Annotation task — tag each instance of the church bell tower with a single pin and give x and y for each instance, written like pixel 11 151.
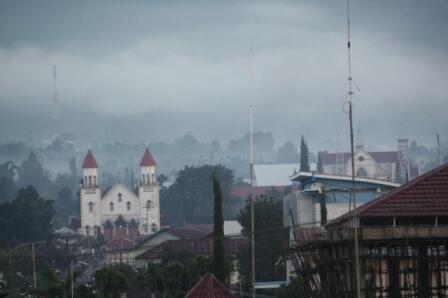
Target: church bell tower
pixel 90 197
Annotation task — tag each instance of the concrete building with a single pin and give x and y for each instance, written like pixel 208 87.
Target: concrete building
pixel 120 212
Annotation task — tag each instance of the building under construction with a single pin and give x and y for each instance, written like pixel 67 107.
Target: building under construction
pixel 402 239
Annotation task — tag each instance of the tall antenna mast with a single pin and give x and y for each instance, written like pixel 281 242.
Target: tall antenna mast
pixel 55 113
pixel 251 157
pixel 352 202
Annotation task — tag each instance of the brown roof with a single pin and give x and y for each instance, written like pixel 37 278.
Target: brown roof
pixel 379 156
pixel 89 161
pixel 209 287
pixel 426 195
pixel 198 246
pixel 147 160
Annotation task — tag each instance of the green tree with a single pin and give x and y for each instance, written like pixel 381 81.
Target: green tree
pixel 151 280
pixel 65 205
pixel 110 282
pixel 172 278
pixel 304 163
pixel 219 258
pixel 287 153
pixel 31 172
pixel 270 237
pixel 189 198
pixel 27 218
pixel 197 267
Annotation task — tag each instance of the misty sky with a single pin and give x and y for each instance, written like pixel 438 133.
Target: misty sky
pixel 155 70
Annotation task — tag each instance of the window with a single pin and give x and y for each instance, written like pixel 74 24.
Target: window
pixel 90 180
pixel 85 180
pixel 361 172
pixel 87 231
pixel 148 204
pixel 128 206
pixel 111 206
pixel 94 180
pixel 119 198
pixel 143 179
pixel 152 178
pixel 90 206
pixel 147 178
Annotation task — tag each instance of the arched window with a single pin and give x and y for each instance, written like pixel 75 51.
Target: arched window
pixel 128 206
pixel 94 180
pixel 152 178
pixel 148 204
pixel 143 179
pixel 111 206
pixel 361 172
pixel 85 180
pixel 87 231
pixel 90 180
pixel 90 206
pixel 147 179
pixel 119 197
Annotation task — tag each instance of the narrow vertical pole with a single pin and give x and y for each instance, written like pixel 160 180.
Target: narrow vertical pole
pixel 34 265
pixel 71 283
pixel 252 214
pixel 353 192
pixel 438 149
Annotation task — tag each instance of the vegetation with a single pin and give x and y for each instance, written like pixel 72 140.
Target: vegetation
pixel 189 198
pixel 304 156
pixel 269 241
pixel 219 258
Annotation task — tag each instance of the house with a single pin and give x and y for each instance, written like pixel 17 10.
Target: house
pixel 323 197
pixel 209 287
pixel 402 241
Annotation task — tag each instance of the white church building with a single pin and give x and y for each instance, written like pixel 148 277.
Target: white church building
pixel 120 212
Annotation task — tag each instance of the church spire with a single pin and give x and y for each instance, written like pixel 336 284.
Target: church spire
pixel 89 161
pixel 147 160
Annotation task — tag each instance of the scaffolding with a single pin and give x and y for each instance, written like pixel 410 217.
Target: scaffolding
pixel 401 261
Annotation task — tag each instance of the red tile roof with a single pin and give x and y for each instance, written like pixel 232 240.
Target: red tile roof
pixel 147 160
pixel 209 287
pixel 198 246
pixel 89 161
pixel 380 156
pixel 426 195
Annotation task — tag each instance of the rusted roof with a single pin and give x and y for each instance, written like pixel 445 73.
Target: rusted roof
pixel 147 160
pixel 426 195
pixel 199 246
pixel 89 161
pixel 209 287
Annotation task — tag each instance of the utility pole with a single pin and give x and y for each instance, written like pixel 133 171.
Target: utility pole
pixel 353 195
pixel 252 214
pixel 71 278
pixel 33 252
pixel 438 149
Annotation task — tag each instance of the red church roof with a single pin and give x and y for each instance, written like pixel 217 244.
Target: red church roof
pixel 89 161
pixel 426 195
pixel 209 287
pixel 147 160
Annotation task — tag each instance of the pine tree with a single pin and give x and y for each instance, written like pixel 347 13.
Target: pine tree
pixel 219 259
pixel 304 164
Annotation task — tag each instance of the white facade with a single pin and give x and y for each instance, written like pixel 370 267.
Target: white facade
pixel 134 213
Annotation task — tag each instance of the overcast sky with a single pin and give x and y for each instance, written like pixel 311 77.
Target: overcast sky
pixel 196 66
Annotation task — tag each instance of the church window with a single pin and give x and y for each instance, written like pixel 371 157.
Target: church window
pixel 111 206
pixel 85 180
pixel 361 172
pixel 94 180
pixel 128 206
pixel 143 179
pixel 119 197
pixel 90 206
pixel 147 179
pixel 152 178
pixel 148 204
pixel 87 231
pixel 90 180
